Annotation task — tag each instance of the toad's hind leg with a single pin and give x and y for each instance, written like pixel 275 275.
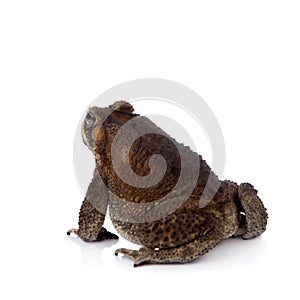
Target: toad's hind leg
pixel 255 213
pixel 181 254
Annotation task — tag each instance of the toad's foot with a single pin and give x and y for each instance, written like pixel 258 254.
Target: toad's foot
pixel 102 235
pixel 139 257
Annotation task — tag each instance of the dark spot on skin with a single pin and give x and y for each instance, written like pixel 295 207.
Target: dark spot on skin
pixel 173 235
pixel 160 231
pixel 179 222
pixel 155 226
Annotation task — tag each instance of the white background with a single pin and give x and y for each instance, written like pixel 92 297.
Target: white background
pixel 242 57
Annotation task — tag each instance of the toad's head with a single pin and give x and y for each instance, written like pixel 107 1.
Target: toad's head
pixel 94 124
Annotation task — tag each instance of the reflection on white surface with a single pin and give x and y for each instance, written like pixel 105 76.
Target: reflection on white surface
pixel 229 254
pixel 92 253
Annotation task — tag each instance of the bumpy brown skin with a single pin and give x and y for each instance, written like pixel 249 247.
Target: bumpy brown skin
pixel 184 232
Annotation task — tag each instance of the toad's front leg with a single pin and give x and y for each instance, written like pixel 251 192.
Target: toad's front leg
pixel 92 213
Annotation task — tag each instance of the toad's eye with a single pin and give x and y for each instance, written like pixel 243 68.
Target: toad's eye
pixel 89 119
